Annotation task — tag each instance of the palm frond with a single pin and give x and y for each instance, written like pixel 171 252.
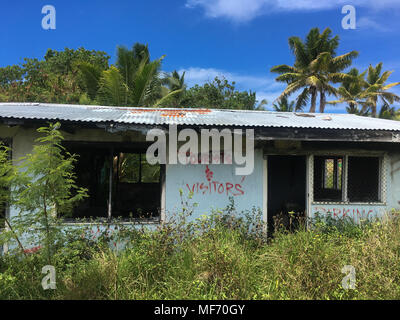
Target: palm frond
pixel 112 89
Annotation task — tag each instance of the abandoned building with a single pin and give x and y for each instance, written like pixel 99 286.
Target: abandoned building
pixel 338 164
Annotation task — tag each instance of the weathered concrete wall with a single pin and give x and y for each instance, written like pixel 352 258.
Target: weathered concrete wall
pixel 212 188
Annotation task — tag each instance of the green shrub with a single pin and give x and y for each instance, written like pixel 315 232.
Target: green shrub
pixel 224 255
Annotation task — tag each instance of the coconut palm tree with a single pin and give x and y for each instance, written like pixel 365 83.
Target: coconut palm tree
pixel 388 112
pixel 128 62
pixel 112 89
pixel 352 92
pixel 283 105
pixel 376 89
pixel 91 75
pixel 316 67
pixel 174 82
pixel 353 109
pixel 133 81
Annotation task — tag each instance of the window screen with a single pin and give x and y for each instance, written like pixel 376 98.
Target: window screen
pixel 363 179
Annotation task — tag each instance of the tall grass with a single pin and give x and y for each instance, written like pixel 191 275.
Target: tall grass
pixel 220 256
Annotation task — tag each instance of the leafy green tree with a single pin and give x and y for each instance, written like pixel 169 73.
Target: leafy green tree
pixel 56 78
pixel 44 189
pixel 220 94
pixel 316 67
pixel 10 75
pixel 7 176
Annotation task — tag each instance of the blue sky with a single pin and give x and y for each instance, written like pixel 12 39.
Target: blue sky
pixel 241 39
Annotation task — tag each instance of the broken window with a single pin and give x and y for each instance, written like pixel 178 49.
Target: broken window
pixel 363 179
pixel 120 182
pixel 328 175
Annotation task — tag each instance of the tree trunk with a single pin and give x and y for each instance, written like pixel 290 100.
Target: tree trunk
pixel 313 91
pixel 15 235
pixel 373 110
pixel 322 101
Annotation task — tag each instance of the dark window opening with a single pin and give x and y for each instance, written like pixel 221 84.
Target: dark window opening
pixel 135 184
pixel 328 177
pixel 363 179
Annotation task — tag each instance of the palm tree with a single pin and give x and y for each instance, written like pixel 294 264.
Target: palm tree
pixel 284 105
pixel 352 92
pixel 133 81
pixel 174 82
pixel 388 112
pixel 376 89
pixel 128 62
pixel 91 75
pixel 316 66
pixel 112 88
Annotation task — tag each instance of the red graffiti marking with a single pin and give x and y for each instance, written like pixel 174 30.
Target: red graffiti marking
pixel 358 213
pixel 229 186
pixel 216 187
pixel 209 174
pixel 33 250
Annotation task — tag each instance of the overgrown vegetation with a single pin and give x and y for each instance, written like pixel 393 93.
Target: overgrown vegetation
pixel 41 189
pixel 215 257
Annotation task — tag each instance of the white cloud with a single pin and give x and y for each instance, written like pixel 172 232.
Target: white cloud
pixel 245 10
pixel 369 23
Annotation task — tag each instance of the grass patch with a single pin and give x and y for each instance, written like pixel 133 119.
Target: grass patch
pixel 218 257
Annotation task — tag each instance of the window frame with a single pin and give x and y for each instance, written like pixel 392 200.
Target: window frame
pixel 113 148
pixel 142 155
pixel 323 190
pixel 345 199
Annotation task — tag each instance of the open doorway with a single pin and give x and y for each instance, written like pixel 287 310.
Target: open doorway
pixel 286 190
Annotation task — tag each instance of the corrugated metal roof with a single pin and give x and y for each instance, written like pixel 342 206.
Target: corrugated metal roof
pixel 211 117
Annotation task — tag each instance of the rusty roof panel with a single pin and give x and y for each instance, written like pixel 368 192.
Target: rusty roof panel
pixel 188 116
